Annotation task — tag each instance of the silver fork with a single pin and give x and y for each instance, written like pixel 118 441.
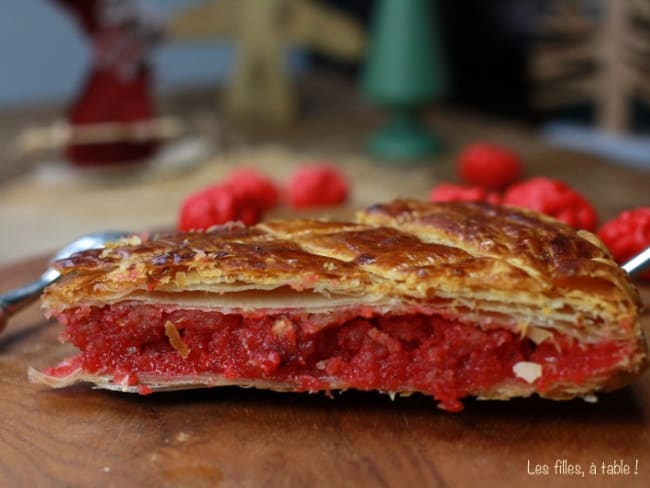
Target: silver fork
pixel 18 298
pixel 638 264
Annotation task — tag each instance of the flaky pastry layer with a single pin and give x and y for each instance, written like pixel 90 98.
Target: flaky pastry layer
pixel 476 262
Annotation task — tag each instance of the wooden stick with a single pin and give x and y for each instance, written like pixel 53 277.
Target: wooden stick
pixel 613 112
pixel 567 26
pixel 641 85
pixel 549 61
pixel 641 9
pixel 557 95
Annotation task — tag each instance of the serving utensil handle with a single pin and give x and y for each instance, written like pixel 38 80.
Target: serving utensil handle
pixel 18 298
pixel 639 263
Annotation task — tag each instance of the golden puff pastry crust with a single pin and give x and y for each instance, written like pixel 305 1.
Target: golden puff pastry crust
pixel 489 266
pixel 474 258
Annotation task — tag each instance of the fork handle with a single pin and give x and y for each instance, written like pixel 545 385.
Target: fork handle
pixel 638 263
pixel 18 298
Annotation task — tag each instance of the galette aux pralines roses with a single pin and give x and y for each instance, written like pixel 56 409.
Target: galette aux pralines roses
pixel 449 299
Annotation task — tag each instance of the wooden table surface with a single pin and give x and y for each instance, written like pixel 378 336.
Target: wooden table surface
pixel 233 437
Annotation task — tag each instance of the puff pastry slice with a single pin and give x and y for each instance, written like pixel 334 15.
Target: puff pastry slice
pixel 450 300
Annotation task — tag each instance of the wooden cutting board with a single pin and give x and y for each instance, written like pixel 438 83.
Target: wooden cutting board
pixel 235 437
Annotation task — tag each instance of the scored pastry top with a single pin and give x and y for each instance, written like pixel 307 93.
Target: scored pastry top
pixel 467 257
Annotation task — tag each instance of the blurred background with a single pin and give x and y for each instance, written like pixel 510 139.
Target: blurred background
pixel 45 55
pixel 112 112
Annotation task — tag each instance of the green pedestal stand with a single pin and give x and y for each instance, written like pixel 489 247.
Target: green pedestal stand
pixel 403 72
pixel 403 138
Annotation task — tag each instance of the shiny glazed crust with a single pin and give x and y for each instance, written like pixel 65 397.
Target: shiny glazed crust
pixel 473 262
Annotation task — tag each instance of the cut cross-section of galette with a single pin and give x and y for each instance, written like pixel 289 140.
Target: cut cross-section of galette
pixel 450 300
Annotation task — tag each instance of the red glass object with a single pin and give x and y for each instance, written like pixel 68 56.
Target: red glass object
pixel 118 88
